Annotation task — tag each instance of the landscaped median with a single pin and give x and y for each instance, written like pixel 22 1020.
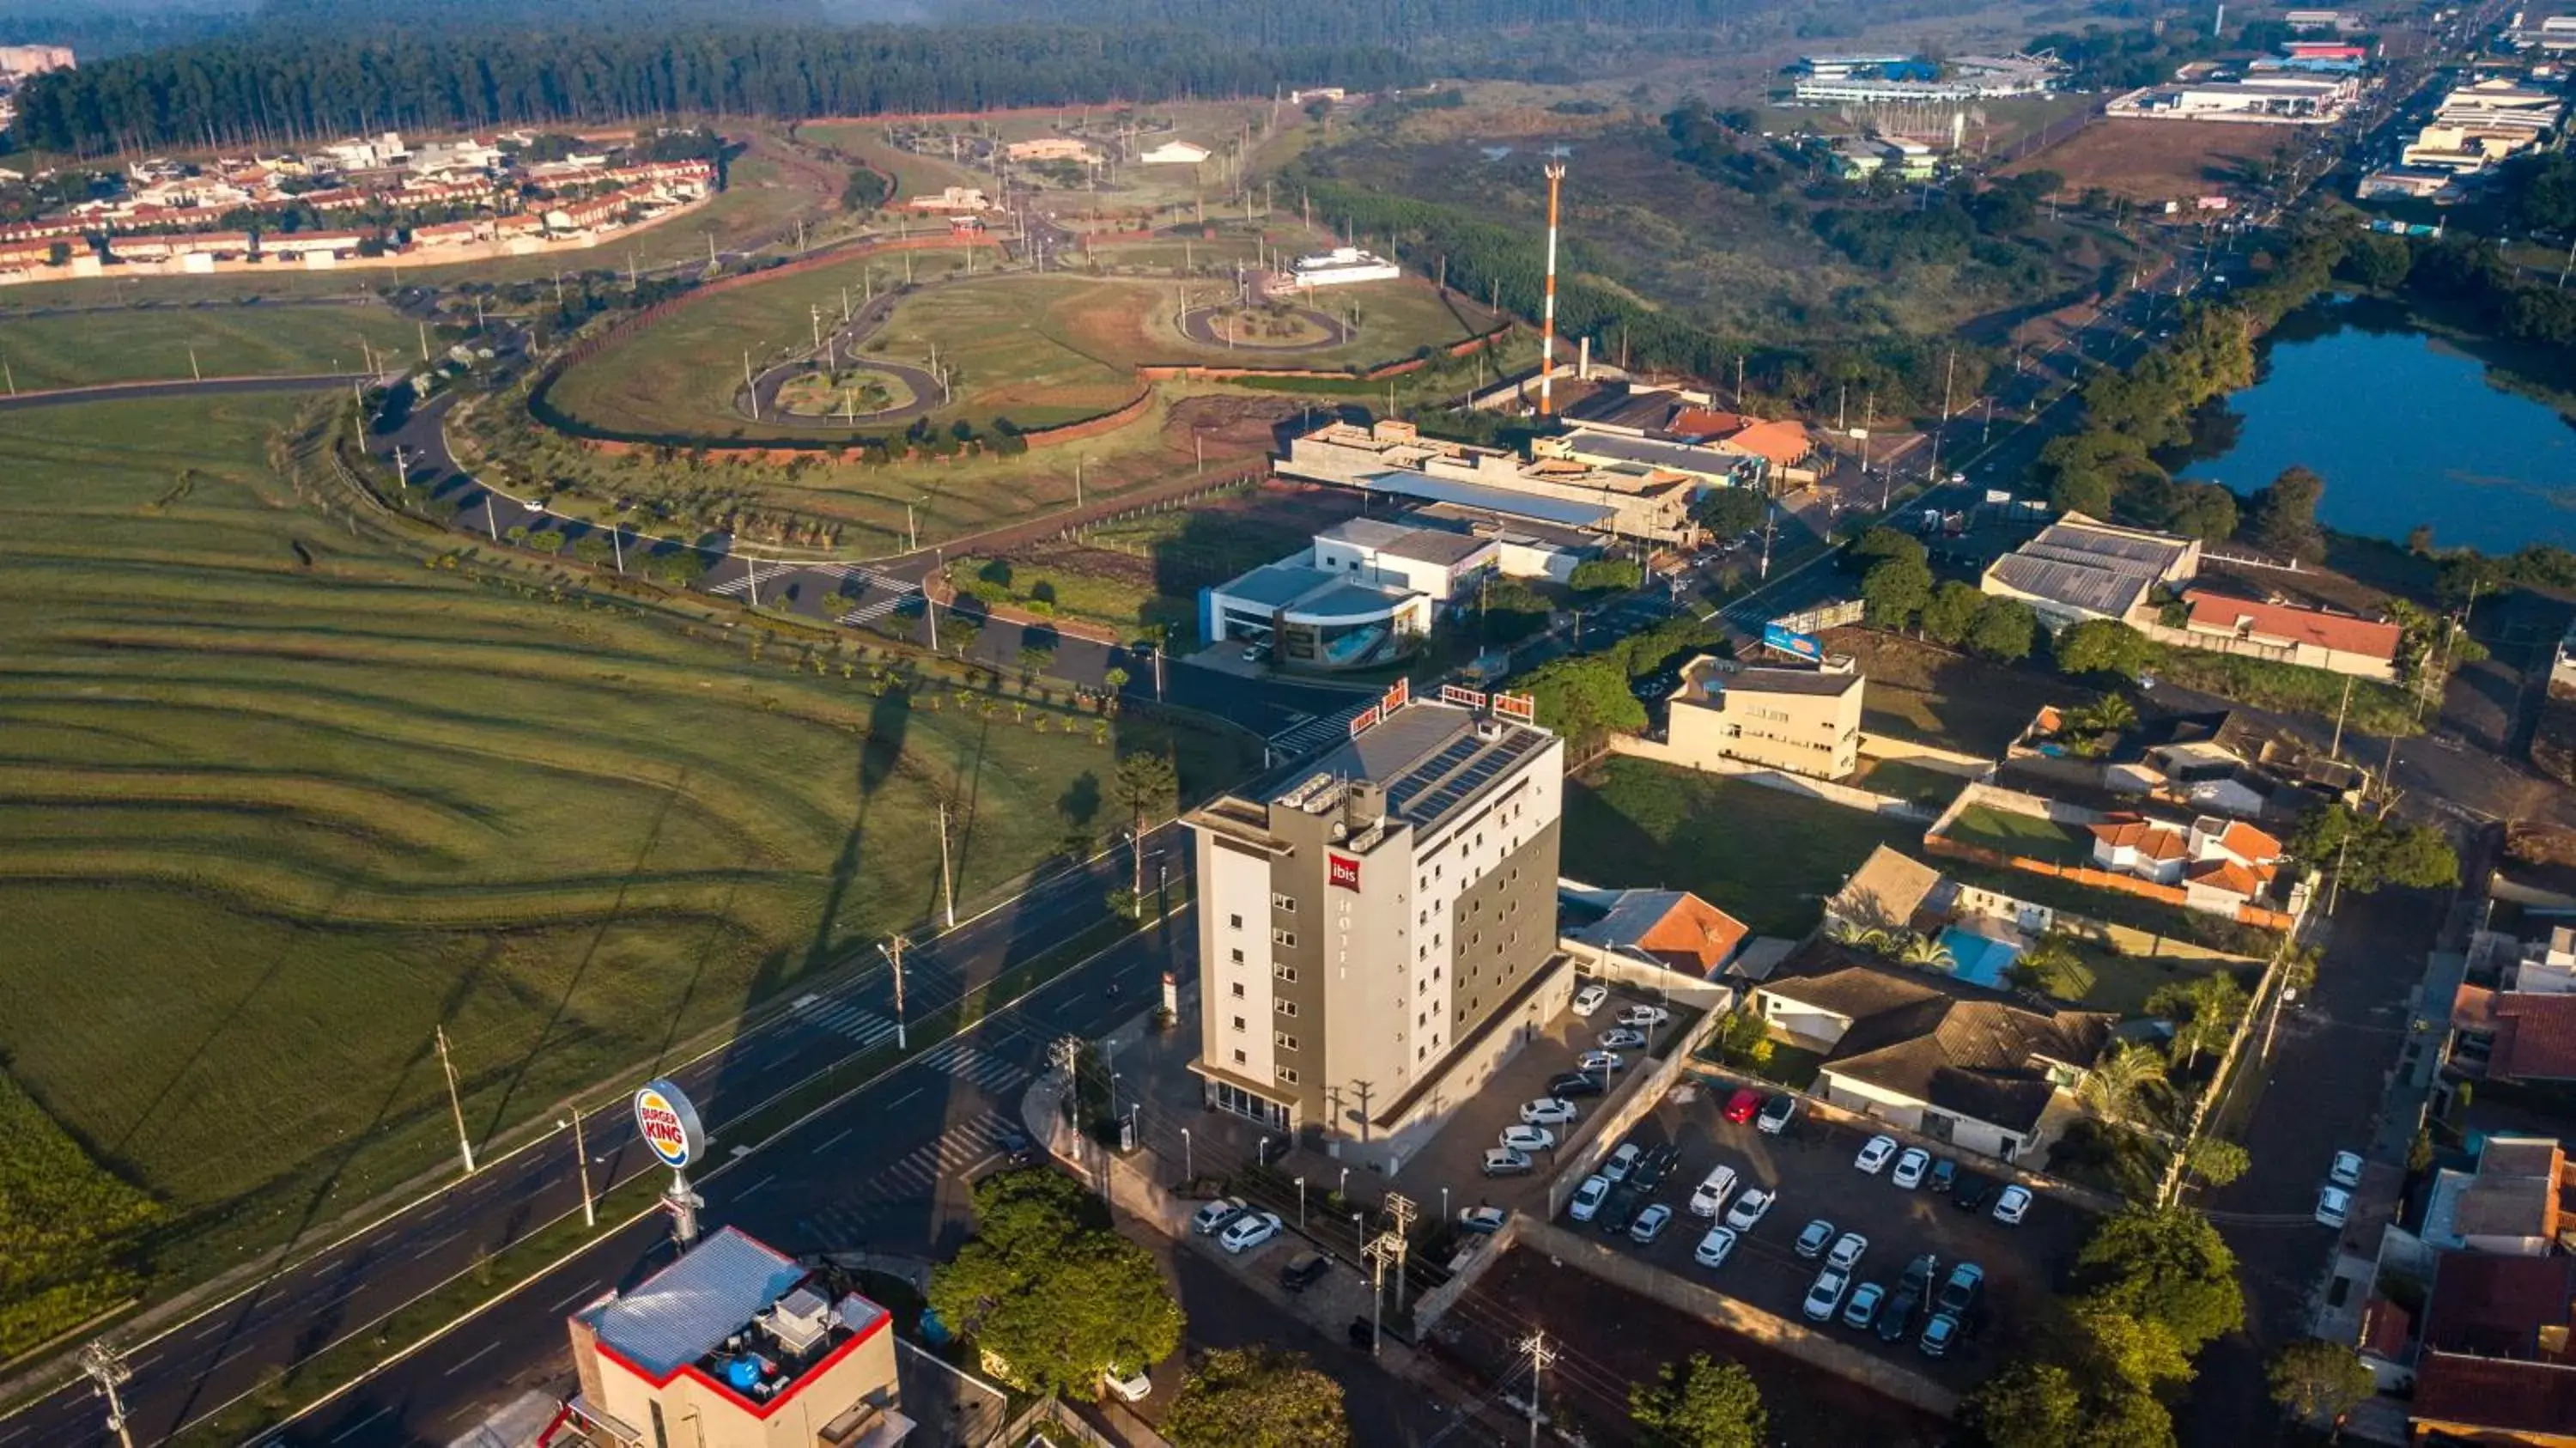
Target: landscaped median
pixel 287 1391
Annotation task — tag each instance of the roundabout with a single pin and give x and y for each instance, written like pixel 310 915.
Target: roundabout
pixel 1281 327
pixel 851 394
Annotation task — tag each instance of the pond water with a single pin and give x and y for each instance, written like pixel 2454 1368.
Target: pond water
pixel 2404 427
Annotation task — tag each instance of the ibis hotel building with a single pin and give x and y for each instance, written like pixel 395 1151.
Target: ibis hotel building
pixel 1377 927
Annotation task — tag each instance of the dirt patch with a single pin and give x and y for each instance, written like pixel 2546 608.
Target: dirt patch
pixel 1924 692
pixel 1609 1338
pixel 2156 160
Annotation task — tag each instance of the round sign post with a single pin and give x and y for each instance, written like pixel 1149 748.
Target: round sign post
pixel 667 1121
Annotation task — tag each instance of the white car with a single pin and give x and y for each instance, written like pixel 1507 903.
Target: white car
pixel 1749 1209
pixel 1813 1237
pixel 2012 1205
pixel 1591 998
pixel 1588 1197
pixel 1133 1387
pixel 1487 1220
pixel 1827 1294
pixel 1873 1155
pixel 1709 1197
pixel 1847 1250
pixel 1650 1223
pixel 1644 1018
pixel 1599 1062
pixel 1547 1111
pixel 1622 1161
pixel 2334 1206
pixel 1249 1231
pixel 1712 1249
pixel 1622 1039
pixel 1528 1139
pixel 1910 1167
pixel 2346 1171
pixel 1214 1216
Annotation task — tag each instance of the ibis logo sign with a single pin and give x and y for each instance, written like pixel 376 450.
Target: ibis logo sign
pixel 668 1123
pixel 1345 871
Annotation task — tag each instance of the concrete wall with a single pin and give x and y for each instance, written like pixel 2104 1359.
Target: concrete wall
pixel 1692 990
pixel 1625 1110
pixel 1817 1349
pixel 1926 756
pixel 1819 789
pixel 2310 656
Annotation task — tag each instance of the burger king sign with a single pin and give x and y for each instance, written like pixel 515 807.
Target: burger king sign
pixel 669 1124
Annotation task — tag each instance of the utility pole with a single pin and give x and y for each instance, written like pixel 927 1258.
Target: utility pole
pixel 1541 1357
pixel 1381 1249
pixel 105 1367
pixel 455 1102
pixel 581 1161
pixel 193 374
pixel 893 951
pixel 1402 1210
pixel 947 880
pixel 423 329
pixel 2335 750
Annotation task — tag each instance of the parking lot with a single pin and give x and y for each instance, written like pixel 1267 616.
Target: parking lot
pixel 1810 1167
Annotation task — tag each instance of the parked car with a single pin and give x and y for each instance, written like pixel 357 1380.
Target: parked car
pixel 1528 1139
pixel 2012 1205
pixel 1749 1209
pixel 1650 1223
pixel 1621 1039
pixel 1249 1231
pixel 1741 1106
pixel 1976 1194
pixel 1847 1250
pixel 1590 998
pixel 1814 1237
pixel 1586 1203
pixel 1132 1387
pixel 1874 1154
pixel 1214 1216
pixel 1862 1310
pixel 1714 1247
pixel 1945 1172
pixel 1620 1212
pixel 1777 1113
pixel 1825 1295
pixel 1575 1083
pixel 1959 1292
pixel 1482 1219
pixel 1938 1335
pixel 1896 1318
pixel 1548 1111
pixel 1603 1062
pixel 1305 1272
pixel 1503 1161
pixel 2346 1171
pixel 1654 1166
pixel 1709 1197
pixel 1362 1333
pixel 2334 1206
pixel 1622 1162
pixel 1644 1018
pixel 1016 1146
pixel 1910 1167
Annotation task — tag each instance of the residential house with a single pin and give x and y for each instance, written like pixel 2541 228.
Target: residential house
pixel 1977 1068
pixel 2222 865
pixel 1802 721
pixel 2290 634
pixel 1671 929
pixel 1887 892
pixel 2496 1365
pixel 2130 844
pixel 2520 1201
pixel 2534 1036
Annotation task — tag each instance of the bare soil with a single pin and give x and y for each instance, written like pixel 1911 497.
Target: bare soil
pixel 2156 160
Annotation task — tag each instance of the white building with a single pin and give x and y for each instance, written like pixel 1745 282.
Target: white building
pixel 1174 153
pixel 1441 564
pixel 1342 266
pixel 2273 100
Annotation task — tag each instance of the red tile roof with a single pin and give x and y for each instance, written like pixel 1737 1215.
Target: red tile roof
pixel 2226 875
pixel 1695 930
pixel 2385 1328
pixel 2501 1306
pixel 2249 844
pixel 2338 631
pixel 2150 838
pixel 2496 1393
pixel 2535 1036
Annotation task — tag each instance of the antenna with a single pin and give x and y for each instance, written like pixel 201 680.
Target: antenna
pixel 1547 321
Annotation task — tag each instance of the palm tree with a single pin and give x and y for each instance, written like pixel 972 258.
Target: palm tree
pixel 1860 937
pixel 1926 951
pixel 2110 714
pixel 2120 1083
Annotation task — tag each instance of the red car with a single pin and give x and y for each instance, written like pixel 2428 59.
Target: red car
pixel 1741 1106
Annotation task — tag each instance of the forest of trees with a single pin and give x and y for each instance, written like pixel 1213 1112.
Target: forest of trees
pixel 275 86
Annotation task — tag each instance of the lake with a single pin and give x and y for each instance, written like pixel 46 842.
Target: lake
pixel 2404 428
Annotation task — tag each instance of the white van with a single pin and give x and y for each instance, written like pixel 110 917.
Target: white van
pixel 1714 1189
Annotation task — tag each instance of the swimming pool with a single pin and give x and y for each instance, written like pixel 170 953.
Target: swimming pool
pixel 1981 959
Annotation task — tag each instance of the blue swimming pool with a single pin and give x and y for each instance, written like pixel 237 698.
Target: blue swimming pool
pixel 1981 959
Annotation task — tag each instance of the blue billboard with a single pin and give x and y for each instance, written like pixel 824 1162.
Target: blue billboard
pixel 1795 645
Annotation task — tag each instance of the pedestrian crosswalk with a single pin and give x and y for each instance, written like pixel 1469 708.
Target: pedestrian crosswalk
pixel 969 1063
pixel 913 1176
pixel 866 1028
pixel 870 612
pixel 755 573
pixel 1321 732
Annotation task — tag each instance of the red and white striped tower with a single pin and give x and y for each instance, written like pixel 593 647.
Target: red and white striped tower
pixel 1547 319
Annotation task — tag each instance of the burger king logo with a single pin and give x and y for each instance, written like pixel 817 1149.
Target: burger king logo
pixel 668 1123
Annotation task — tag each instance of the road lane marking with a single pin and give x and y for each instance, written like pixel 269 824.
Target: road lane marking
pixel 578 1294
pixel 435 1244
pixel 907 1096
pixel 352 1429
pixel 479 1354
pixel 836 1138
pixel 755 1186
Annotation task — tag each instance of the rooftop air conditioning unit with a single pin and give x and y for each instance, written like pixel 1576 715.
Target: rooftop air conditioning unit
pixel 800 1321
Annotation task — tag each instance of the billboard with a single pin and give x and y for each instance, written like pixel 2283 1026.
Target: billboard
pixel 668 1122
pixel 1516 706
pixel 1462 696
pixel 1366 719
pixel 1796 645
pixel 1398 694
pixel 1342 871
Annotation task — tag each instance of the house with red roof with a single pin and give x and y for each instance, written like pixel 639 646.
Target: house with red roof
pixel 2287 633
pixel 2132 844
pixel 1673 929
pixel 2496 1365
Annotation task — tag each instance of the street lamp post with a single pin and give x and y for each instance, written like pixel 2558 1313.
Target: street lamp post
pixel 1344 1190
pixel 581 1161
pixel 1359 1230
pixel 1189 1163
pixel 1301 1204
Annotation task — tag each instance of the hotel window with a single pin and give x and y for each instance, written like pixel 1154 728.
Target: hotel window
pixel 1237 988
pixel 1238 1058
pixel 1287 938
pixel 1287 1008
pixel 1288 1075
pixel 1287 973
pixel 1238 1023
pixel 1283 902
pixel 1285 1041
pixel 1234 922
pixel 1238 956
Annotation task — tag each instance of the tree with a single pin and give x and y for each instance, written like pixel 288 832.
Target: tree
pixel 2121 1082
pixel 1952 612
pixel 866 191
pixel 1606 575
pixel 1702 1403
pixel 1045 1286
pixel 1729 512
pixel 2167 1265
pixel 2320 1381
pixel 1258 1397
pixel 2052 967
pixel 1926 952
pixel 2030 1404
pixel 1894 590
pixel 2004 630
pixel 2285 516
pixel 2216 1160
pixel 2366 853
pixel 1146 784
pixel 1744 1038
pixel 2103 646
pixel 1882 542
pixel 1584 698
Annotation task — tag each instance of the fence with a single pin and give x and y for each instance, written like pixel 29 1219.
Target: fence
pixel 1826 790
pixel 1927 756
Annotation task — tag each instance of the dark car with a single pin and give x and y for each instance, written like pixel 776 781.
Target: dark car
pixel 1896 1319
pixel 1620 1211
pixel 1945 1173
pixel 1016 1145
pixel 1575 1083
pixel 1976 1193
pixel 1362 1335
pixel 1960 1292
pixel 1305 1272
pixel 1654 1166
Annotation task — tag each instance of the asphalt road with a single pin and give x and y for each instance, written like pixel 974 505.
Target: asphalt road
pixel 825 1197
pixel 131 391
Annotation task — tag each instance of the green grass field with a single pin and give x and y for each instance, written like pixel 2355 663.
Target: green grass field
pixel 1765 856
pixel 2021 836
pixel 76 350
pixel 277 801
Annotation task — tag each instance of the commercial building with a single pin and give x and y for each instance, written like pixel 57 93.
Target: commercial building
pixel 1377 928
pixel 1342 266
pixel 2310 21
pixel 1437 562
pixel 2079 568
pixel 1695 436
pixel 1174 153
pixel 1310 619
pixel 735 1345
pixel 1052 148
pixel 2291 634
pixel 2279 100
pixel 1627 500
pixel 1803 721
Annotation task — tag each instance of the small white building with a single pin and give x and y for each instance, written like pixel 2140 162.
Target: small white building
pixel 1342 266
pixel 1438 563
pixel 1174 153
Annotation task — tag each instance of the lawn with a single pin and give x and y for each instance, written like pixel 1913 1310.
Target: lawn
pixel 278 801
pixel 1765 856
pixel 1931 788
pixel 1924 692
pixel 235 341
pixel 2021 836
pixel 2123 982
pixel 1055 590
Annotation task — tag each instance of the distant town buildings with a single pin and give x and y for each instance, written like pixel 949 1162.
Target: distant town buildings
pixel 20 61
pixel 2270 99
pixel 1052 148
pixel 1904 79
pixel 1626 500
